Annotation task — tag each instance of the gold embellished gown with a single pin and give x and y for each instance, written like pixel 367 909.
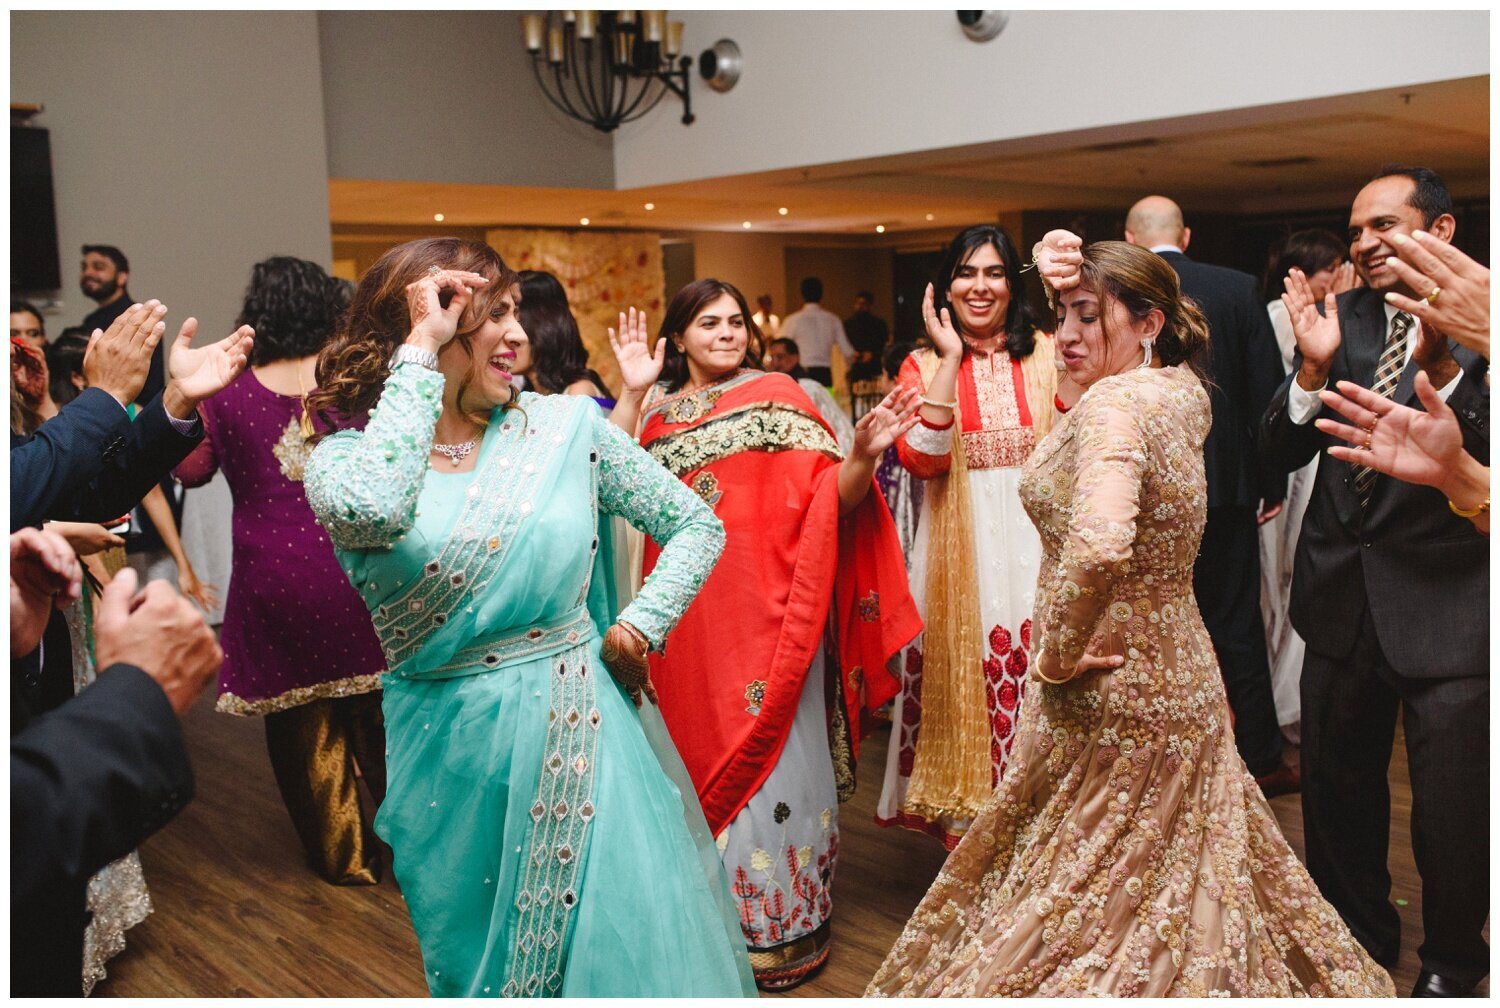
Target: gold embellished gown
pixel 1127 851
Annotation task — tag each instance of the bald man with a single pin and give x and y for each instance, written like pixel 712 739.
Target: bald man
pixel 1244 365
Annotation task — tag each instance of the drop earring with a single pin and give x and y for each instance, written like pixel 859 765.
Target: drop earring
pixel 1146 346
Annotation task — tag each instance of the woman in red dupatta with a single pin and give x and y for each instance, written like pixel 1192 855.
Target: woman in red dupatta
pixel 767 680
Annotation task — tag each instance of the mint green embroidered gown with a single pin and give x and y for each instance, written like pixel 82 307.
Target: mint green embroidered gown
pixel 541 837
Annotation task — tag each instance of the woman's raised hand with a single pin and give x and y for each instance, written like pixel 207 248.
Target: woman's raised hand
pixel 432 325
pixel 1345 278
pixel 639 367
pixel 1059 259
pixel 878 429
pixel 1397 440
pixel 1454 289
pixel 945 338
pixel 1318 335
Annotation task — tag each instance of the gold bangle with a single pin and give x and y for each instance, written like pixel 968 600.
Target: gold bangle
pixel 1475 513
pixel 940 405
pixel 1055 682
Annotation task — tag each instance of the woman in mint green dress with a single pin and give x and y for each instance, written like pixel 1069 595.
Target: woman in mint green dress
pixel 546 837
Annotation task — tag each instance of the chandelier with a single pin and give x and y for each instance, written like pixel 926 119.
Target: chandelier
pixel 608 67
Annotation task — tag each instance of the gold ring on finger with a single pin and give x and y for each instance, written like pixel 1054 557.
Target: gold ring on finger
pixel 1432 298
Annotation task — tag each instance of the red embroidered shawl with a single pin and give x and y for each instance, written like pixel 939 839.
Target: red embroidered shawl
pixel 732 674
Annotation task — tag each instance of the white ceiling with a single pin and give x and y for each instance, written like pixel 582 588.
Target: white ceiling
pixel 1302 155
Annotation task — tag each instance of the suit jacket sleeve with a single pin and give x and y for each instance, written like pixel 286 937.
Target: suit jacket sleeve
pixel 90 780
pixel 1263 377
pixel 90 463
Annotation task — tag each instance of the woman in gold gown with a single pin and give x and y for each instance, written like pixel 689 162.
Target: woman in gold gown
pixel 1127 851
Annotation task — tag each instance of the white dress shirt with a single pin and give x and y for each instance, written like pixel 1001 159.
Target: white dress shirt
pixel 816 330
pixel 769 325
pixel 1302 405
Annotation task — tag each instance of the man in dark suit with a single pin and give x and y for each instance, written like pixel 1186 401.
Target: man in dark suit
pixel 1244 366
pixel 1390 590
pixel 92 779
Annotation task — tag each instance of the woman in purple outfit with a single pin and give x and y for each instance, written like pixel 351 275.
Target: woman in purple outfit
pixel 298 644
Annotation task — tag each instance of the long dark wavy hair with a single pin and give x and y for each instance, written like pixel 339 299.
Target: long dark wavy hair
pixel 1020 319
pixel 558 356
pixel 353 366
pixel 293 305
pixel 680 314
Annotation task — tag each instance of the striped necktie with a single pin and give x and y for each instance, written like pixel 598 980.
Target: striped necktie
pixel 1387 377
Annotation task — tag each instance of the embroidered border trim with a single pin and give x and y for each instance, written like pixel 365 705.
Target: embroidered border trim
pixel 561 814
pixel 485 656
pixel 996 449
pixel 924 439
pixel 501 497
pixel 768 427
pixel 228 703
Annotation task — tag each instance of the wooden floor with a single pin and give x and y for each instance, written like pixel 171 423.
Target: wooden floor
pixel 238 913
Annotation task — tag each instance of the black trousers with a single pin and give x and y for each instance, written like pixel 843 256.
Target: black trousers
pixel 1349 708
pixel 1226 580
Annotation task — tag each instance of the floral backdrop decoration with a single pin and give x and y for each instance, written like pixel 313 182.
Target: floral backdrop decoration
pixel 604 273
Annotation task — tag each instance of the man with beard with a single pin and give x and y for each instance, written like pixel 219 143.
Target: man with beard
pixel 102 276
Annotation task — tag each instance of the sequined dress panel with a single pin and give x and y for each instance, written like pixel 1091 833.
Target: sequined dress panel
pixel 1127 851
pixel 293 630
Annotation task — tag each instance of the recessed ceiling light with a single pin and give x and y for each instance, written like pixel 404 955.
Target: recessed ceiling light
pixel 930 217
pixel 783 211
pixel 650 206
pixel 584 221
pixel 880 229
pixel 438 217
pixel 745 225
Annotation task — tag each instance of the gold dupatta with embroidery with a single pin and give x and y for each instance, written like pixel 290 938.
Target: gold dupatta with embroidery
pixel 952 770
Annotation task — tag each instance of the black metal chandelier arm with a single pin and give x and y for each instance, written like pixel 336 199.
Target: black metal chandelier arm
pixel 559 103
pixel 634 111
pixel 586 74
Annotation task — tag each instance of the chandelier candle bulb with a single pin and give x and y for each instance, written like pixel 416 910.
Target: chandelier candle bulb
pixel 626 17
pixel 622 48
pixel 652 24
pixel 674 38
pixel 554 45
pixel 568 16
pixel 534 27
pixel 587 20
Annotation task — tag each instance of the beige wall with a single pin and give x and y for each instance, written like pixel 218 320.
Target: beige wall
pixel 193 141
pixel 447 96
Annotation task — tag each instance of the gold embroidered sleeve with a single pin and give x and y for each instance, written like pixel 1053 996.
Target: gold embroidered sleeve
pixel 1112 461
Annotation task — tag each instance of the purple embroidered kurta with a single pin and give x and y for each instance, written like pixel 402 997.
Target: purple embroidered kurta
pixel 294 628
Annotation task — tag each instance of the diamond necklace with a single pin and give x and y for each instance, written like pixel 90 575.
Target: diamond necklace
pixel 455 453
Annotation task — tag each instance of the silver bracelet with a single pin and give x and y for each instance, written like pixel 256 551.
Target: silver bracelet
pixel 408 354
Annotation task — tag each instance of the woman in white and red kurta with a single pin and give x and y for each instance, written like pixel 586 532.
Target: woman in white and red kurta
pixel 991 376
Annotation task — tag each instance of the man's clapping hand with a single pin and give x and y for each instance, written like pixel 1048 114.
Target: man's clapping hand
pixel 159 632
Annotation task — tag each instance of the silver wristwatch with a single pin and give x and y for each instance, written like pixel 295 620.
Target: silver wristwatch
pixel 408 354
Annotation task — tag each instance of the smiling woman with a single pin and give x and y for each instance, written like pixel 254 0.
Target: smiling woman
pixel 529 803
pixel 987 387
pixel 811 585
